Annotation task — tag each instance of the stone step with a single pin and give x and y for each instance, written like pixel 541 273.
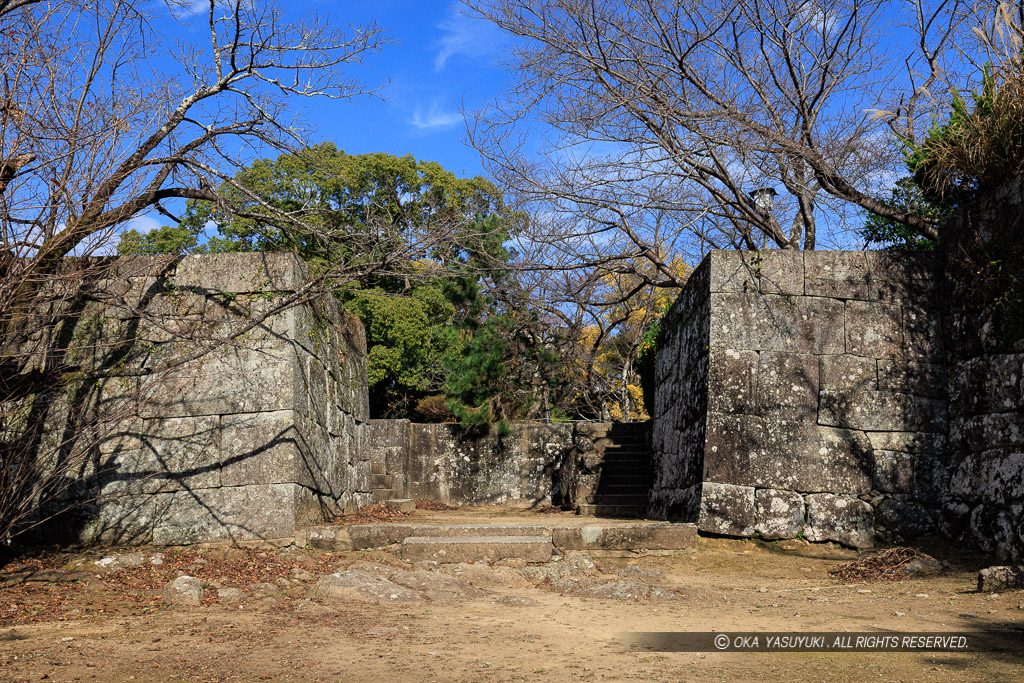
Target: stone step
pixel 639 536
pixel 620 489
pixel 463 530
pixel 365 536
pixel 601 510
pixel 381 495
pixel 626 470
pixel 602 498
pixel 476 548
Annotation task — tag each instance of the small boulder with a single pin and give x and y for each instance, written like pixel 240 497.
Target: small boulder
pixel 483 576
pixel 230 595
pixel 360 586
pixel 184 590
pixel 1000 579
pixel 626 590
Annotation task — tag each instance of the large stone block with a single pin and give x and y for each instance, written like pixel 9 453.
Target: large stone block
pixel 910 377
pixel 776 323
pixel 676 504
pixel 779 514
pixel 787 386
pixel 985 432
pixel 922 333
pixel 906 519
pixel 779 454
pixel 874 329
pixel 995 531
pixel 903 276
pixel 727 509
pixel 237 513
pixel 164 455
pixel 260 448
pixel 842 519
pixel 847 374
pixel 909 442
pixel 242 273
pixel 732 378
pixel 988 384
pixel 838 274
pixel 881 411
pixel 226 381
pixel 993 477
pixel 770 271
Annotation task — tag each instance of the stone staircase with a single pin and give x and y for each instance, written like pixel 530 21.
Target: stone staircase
pixel 627 473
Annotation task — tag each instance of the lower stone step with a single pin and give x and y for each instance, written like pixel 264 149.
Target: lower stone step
pixel 598 510
pixel 476 548
pixel 602 498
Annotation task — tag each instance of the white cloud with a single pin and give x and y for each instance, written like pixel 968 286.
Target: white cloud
pixel 435 118
pixel 143 224
pixel 464 35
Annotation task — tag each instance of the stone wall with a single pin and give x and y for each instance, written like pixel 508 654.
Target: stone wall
pixel 803 392
pixel 442 462
pixel 984 330
pixel 679 419
pixel 231 439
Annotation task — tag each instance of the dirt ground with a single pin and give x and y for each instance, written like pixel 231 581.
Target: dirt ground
pixel 111 623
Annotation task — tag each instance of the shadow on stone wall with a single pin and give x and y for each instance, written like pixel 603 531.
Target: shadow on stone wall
pixel 231 405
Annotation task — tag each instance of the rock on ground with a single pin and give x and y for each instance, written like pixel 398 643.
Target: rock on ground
pixel 626 590
pixel 1000 578
pixel 361 586
pixel 184 590
pixel 484 576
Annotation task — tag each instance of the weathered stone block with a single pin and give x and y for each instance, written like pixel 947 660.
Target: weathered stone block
pixel 901 276
pixel 626 537
pixel 909 442
pixel 473 549
pixel 842 519
pixel 260 448
pixel 881 411
pixel 874 329
pixel 838 274
pixel 995 579
pixel 226 381
pixel 771 271
pixel 242 273
pixel 995 531
pixel 787 386
pixel 175 454
pixel 922 333
pixel 847 374
pixel 779 514
pixel 731 381
pixel 727 509
pixel 907 519
pixel 776 323
pixel 985 432
pixel 995 477
pixel 910 377
pixel 780 454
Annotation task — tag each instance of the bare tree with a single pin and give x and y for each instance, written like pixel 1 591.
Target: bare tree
pixel 102 119
pixel 648 127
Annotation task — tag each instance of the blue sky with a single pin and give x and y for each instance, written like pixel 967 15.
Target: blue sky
pixel 440 61
pixel 444 61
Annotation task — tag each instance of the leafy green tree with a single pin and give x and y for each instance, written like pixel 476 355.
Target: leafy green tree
pixel 885 232
pixel 434 326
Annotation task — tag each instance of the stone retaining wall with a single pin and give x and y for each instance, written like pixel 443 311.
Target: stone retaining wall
pixel 803 392
pixel 984 328
pixel 442 462
pixel 252 439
